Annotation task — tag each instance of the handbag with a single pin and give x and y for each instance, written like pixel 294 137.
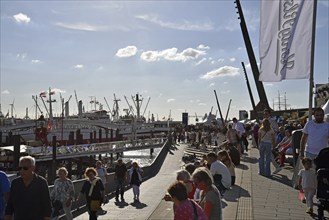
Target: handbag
pixel 301 195
pixel 56 207
pixel 95 205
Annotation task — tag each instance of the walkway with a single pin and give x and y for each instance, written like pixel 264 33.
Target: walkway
pixel 253 196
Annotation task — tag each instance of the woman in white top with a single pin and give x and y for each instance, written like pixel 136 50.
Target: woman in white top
pixel 266 140
pixel 63 193
pixel 102 174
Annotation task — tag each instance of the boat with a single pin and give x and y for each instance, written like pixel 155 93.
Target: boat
pixel 94 126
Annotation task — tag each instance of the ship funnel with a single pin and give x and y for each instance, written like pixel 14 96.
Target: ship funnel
pixel 80 109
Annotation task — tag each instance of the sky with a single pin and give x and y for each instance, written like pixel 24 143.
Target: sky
pixel 173 53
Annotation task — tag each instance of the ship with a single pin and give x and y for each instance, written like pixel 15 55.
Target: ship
pixel 92 126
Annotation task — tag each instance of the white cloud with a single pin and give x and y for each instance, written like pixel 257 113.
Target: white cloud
pixel 202 104
pixel 5 92
pixel 172 55
pixel 35 61
pixel 203 47
pixel 200 61
pixel 171 100
pixel 56 90
pixel 213 62
pixel 248 66
pixel 185 25
pixel 21 56
pixel 22 18
pixel 81 26
pixel 127 51
pixel 232 59
pixel 221 60
pixel 78 66
pixel 211 84
pixel 220 72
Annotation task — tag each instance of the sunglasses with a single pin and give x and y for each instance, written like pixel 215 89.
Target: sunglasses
pixel 23 168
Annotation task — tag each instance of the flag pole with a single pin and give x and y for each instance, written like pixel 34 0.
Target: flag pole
pixel 311 85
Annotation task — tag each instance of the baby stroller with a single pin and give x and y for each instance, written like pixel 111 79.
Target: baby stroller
pixel 322 192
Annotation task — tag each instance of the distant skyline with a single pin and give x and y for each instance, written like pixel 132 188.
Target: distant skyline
pixel 175 52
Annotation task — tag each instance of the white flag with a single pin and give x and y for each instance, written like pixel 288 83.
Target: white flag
pixel 285 39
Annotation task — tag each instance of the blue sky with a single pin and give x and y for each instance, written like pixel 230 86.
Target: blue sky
pixel 176 52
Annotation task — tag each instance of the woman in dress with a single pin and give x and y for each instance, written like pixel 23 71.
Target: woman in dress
pixel 210 199
pixel 63 194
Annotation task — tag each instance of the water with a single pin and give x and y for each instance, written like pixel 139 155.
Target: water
pixel 142 157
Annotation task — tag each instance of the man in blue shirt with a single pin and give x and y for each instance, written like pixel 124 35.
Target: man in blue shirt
pixel 4 193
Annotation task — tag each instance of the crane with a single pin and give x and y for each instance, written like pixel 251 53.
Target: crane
pixel 108 106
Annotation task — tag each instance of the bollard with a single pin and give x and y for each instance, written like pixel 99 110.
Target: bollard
pixel 91 137
pixel 53 170
pixel 100 135
pixel 17 150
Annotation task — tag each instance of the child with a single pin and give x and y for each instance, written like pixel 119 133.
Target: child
pixel 135 175
pixel 226 159
pixel 308 182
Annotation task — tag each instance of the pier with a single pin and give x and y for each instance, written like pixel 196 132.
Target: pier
pixel 254 197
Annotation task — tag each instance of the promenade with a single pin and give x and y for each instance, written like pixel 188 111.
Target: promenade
pixel 253 196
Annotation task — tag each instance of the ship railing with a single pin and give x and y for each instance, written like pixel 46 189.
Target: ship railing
pixel 95 148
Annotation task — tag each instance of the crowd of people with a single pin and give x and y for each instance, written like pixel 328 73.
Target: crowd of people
pixel 199 187
pixel 273 140
pixel 28 196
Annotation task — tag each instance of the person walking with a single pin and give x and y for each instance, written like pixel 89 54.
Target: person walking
pixel 315 135
pixel 29 197
pixel 135 177
pixel 308 183
pixel 233 138
pixel 120 175
pixel 62 194
pixel 239 127
pixel 266 144
pixel 102 174
pixel 93 190
pixel 4 193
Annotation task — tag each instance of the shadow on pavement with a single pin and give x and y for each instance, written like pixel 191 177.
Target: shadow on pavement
pixel 138 205
pixel 281 178
pixel 249 159
pixel 242 167
pixel 235 193
pixel 121 204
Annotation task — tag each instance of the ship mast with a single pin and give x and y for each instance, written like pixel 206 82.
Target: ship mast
pixel 116 108
pixel 50 101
